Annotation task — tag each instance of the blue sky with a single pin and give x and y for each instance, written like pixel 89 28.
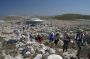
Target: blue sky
pixel 43 7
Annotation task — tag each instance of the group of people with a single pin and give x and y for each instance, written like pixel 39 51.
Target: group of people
pixel 56 37
pixel 80 39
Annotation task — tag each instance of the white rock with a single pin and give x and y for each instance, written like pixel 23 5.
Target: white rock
pixel 39 56
pixel 72 41
pixel 70 53
pixel 54 56
pixel 19 57
pixel 61 36
pixel 52 51
pixel 28 53
pixel 20 44
pixel 42 50
pixel 46 55
pixel 61 42
pixel 8 57
pixel 32 49
pixel 20 49
pixel 28 42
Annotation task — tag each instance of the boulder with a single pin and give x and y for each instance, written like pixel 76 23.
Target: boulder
pixel 54 56
pixel 52 51
pixel 38 56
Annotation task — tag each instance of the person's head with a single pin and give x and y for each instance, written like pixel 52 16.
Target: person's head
pixel 52 33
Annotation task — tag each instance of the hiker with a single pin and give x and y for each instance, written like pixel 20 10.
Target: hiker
pixel 39 38
pixel 80 38
pixel 66 41
pixel 57 36
pixel 23 29
pixel 51 37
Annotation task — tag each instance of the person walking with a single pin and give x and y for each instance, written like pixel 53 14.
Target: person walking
pixel 80 38
pixel 39 38
pixel 51 37
pixel 57 37
pixel 66 41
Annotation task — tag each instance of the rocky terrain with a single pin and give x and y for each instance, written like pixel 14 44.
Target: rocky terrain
pixel 23 47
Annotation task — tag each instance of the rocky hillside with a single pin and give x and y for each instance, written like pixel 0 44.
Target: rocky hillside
pixel 72 16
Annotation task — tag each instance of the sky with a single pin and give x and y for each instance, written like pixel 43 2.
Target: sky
pixel 43 7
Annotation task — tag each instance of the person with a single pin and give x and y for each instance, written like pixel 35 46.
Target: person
pixel 56 38
pixel 80 38
pixel 66 41
pixel 39 38
pixel 51 37
pixel 23 29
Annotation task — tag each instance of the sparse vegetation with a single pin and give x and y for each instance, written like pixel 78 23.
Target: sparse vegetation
pixel 71 16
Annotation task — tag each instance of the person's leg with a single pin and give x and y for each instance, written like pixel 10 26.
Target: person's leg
pixel 64 47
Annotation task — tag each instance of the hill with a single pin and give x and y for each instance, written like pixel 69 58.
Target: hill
pixel 71 16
